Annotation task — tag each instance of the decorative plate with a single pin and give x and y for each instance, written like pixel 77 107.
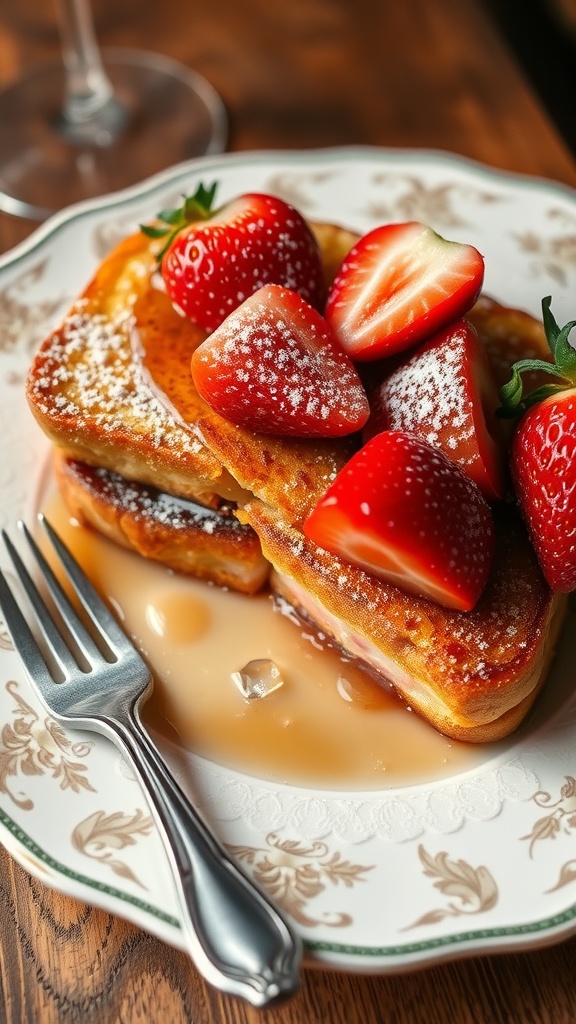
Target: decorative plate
pixel 376 881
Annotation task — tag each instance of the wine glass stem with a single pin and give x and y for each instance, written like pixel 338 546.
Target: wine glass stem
pixel 88 88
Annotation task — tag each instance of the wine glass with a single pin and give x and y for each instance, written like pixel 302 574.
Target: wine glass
pixel 96 122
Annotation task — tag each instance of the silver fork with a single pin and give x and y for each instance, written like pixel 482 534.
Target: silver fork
pixel 236 937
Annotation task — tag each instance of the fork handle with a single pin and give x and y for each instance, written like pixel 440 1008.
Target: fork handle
pixel 236 937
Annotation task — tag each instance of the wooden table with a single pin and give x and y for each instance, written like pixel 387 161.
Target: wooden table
pixel 418 73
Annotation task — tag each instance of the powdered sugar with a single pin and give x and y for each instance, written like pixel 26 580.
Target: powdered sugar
pixel 429 395
pixel 273 366
pixel 88 374
pixel 150 504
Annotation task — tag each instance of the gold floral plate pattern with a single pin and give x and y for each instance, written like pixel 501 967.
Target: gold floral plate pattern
pixel 375 881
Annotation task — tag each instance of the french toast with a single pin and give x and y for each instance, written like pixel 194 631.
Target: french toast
pixel 90 398
pixel 112 389
pixel 473 675
pixel 209 544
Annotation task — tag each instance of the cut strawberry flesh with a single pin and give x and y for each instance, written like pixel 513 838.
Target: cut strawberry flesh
pixel 404 511
pixel 273 366
pixel 399 284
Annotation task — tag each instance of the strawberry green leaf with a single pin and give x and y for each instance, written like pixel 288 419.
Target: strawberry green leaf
pixel 172 220
pixel 511 393
pixel 558 339
pixel 202 200
pixel 514 402
pixel 153 232
pixel 551 328
pixel 542 392
pixel 172 216
pixel 566 353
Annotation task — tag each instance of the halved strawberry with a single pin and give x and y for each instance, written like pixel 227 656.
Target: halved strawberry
pixel 543 454
pixel 212 260
pixel 402 510
pixel 444 392
pixel 273 366
pixel 399 284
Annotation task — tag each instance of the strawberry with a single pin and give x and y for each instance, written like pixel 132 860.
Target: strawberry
pixel 399 284
pixel 212 260
pixel 445 393
pixel 404 511
pixel 543 454
pixel 273 366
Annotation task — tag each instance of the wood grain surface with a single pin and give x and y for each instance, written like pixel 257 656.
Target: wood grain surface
pixel 416 73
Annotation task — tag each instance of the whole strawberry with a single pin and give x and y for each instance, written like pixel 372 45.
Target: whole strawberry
pixel 212 260
pixel 543 455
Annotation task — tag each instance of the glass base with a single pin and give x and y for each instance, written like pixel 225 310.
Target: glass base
pixel 168 114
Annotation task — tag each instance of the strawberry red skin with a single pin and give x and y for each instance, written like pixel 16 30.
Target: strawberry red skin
pixel 444 392
pixel 402 510
pixel 398 285
pixel 213 265
pixel 273 367
pixel 543 463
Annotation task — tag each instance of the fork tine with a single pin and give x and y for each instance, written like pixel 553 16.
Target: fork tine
pixel 99 613
pixel 69 614
pixel 23 638
pixel 53 636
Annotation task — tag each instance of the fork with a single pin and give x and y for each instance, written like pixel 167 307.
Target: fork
pixel 237 938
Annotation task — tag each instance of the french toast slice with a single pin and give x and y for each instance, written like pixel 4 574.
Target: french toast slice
pixel 209 544
pixel 87 392
pixel 509 335
pixel 472 675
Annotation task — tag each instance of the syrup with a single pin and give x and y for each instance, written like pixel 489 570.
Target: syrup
pixel 328 725
pixel 163 343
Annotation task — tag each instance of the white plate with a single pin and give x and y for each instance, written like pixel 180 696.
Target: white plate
pixel 377 881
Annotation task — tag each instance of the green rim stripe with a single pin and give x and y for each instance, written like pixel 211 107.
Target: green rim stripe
pixel 62 869
pixel 530 928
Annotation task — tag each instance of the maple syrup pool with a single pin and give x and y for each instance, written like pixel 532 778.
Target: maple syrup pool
pixel 329 725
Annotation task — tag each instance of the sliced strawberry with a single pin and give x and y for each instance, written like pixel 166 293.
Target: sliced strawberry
pixel 402 510
pixel 399 284
pixel 212 261
pixel 543 455
pixel 273 366
pixel 445 393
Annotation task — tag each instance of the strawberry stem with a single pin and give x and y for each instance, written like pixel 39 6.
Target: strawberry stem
pixel 169 222
pixel 514 402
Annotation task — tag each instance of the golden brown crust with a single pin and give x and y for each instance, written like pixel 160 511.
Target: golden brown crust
pixel 289 474
pixel 509 335
pixel 335 243
pixel 201 542
pixel 90 397
pixel 473 675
